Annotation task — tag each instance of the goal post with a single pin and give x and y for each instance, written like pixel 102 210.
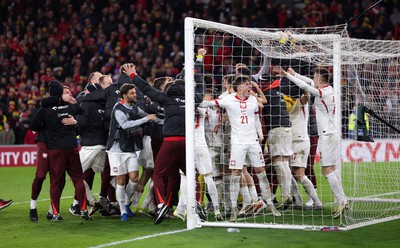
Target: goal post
pixel 370 172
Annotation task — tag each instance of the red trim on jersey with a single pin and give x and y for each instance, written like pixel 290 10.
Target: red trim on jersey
pixel 301 102
pixel 302 108
pixel 320 92
pixel 274 84
pixel 197 120
pixel 122 101
pixel 132 75
pixel 326 107
pixel 174 138
pixel 216 102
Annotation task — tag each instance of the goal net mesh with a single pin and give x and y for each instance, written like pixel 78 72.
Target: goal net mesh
pixel 366 77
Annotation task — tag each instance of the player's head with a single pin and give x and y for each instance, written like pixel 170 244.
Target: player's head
pixel 321 77
pixel 209 94
pixel 66 91
pixel 105 81
pixel 122 68
pixel 242 69
pixel 241 85
pixel 208 81
pixel 175 88
pixel 94 77
pixel 159 83
pixel 128 93
pixel 55 88
pixel 227 81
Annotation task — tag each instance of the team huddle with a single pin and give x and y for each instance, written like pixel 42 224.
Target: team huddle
pixel 131 123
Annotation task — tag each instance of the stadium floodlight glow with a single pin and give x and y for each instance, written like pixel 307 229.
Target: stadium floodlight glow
pixel 365 72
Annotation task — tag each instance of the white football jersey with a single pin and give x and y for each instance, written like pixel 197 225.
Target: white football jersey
pixel 324 104
pixel 199 134
pixel 325 111
pixel 299 118
pixel 241 117
pixel 213 118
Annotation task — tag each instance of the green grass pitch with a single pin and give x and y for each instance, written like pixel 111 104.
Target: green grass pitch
pixel 16 230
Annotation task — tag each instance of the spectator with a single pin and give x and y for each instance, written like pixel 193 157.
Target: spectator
pixel 7 136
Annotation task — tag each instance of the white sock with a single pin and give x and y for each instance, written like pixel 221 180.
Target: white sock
pixel 33 204
pixel 89 194
pixel 130 189
pixel 335 187
pixel 295 191
pixel 75 202
pixel 253 193
pixel 149 195
pixel 212 191
pixel 283 179
pixel 220 189
pixel 120 193
pixel 182 197
pixel 235 188
pixel 338 175
pixel 246 195
pixel 136 198
pixel 264 187
pixel 288 174
pixel 309 188
pixel 226 193
pixel 50 210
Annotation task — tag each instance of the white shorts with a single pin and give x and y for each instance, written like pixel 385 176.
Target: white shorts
pixel 301 149
pixel 216 160
pixel 146 159
pixel 280 141
pixel 93 157
pixel 240 152
pixel 121 163
pixel 202 160
pixel 329 149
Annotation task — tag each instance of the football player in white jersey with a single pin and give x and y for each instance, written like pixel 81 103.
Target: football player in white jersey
pixel 298 112
pixel 242 110
pixel 213 132
pixel 329 141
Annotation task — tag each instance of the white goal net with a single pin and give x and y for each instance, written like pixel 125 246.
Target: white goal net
pixel 365 76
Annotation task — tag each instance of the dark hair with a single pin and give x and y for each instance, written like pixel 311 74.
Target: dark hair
pixel 243 70
pixel 158 82
pixel 210 92
pixel 324 73
pixel 125 88
pixel 101 79
pixel 239 80
pixel 208 80
pixel 229 78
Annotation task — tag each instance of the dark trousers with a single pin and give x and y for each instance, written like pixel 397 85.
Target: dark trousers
pixel 166 177
pixel 42 167
pixel 61 161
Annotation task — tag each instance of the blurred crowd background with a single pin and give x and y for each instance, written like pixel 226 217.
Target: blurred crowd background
pixel 42 40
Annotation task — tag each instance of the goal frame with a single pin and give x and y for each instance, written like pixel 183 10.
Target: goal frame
pixel 190 25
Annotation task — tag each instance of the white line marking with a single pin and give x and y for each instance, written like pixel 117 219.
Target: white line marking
pixel 41 200
pixel 139 238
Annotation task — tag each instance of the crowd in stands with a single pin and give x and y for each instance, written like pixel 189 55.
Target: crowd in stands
pixel 41 40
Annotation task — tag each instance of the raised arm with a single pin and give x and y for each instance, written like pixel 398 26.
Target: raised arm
pixel 264 68
pixel 144 87
pixel 199 77
pixel 304 78
pixel 296 80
